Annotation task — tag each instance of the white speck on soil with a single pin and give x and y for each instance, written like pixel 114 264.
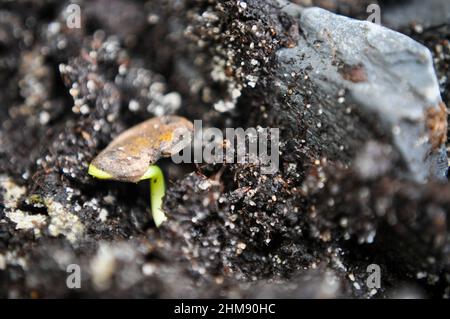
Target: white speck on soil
pixel 22 220
pixel 25 221
pixel 119 263
pixel 103 215
pixel 103 266
pixel 148 269
pixel 62 222
pixel 13 192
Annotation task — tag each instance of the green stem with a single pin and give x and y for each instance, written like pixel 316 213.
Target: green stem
pixel 157 191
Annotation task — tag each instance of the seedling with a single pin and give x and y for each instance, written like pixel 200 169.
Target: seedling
pixel 131 156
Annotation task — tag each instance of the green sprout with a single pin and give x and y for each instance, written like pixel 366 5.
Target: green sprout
pixel 157 189
pixel 130 157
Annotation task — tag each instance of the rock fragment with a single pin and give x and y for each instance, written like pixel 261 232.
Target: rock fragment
pixel 359 81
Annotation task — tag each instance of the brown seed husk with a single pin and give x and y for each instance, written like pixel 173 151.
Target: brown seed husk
pixel 129 155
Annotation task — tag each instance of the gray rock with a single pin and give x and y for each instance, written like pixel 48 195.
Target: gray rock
pixel 348 82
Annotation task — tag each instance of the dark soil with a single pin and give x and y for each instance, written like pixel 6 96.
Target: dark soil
pixel 311 230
